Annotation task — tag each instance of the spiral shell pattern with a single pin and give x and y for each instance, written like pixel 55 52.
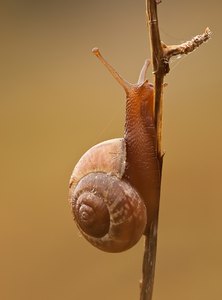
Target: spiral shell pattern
pixel 109 212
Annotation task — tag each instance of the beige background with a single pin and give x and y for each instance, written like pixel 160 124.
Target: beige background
pixel 57 101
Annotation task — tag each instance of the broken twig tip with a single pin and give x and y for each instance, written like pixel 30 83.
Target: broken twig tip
pixel 208 33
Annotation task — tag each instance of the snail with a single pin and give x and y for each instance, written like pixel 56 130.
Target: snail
pixel 114 188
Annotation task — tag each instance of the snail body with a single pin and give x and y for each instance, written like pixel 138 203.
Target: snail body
pixel 114 188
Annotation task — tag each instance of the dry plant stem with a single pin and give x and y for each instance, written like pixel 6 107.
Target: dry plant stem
pixel 188 46
pixel 161 54
pixel 149 260
pixel 158 66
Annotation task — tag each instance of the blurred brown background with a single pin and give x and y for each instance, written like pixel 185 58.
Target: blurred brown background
pixel 57 100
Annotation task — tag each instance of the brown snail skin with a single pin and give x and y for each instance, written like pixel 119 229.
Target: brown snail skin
pixel 114 188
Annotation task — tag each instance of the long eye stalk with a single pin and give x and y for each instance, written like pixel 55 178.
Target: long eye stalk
pixel 125 84
pixel 143 72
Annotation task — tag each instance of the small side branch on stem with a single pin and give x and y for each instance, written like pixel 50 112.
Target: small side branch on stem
pixel 188 46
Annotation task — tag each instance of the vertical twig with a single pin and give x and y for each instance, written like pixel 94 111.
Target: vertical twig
pixel 161 55
pixel 149 258
pixel 159 67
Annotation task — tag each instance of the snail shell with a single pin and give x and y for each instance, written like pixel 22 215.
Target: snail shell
pixel 108 211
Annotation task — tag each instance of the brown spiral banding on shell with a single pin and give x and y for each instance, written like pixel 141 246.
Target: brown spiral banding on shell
pixel 91 213
pixel 108 211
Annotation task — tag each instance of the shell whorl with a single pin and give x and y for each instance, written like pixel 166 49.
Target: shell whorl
pixel 109 212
